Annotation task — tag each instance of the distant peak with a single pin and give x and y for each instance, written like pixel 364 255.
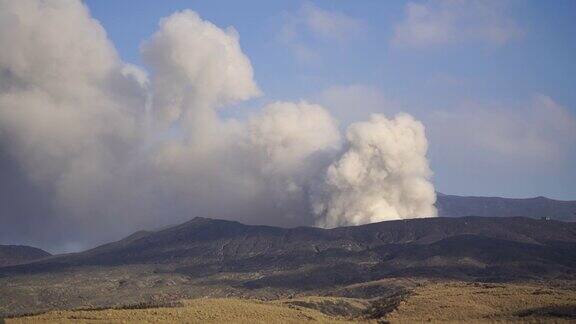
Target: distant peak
pixel 199 219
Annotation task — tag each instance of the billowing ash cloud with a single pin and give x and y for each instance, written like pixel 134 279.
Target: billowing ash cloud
pixel 382 175
pixel 70 114
pixel 196 67
pixel 107 148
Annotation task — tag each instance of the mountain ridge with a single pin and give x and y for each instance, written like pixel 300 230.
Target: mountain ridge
pixel 204 246
pixel 535 207
pixel 219 258
pixel 17 254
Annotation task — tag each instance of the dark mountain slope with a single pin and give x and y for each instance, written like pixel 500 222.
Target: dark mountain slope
pixel 458 206
pixel 16 254
pixel 447 247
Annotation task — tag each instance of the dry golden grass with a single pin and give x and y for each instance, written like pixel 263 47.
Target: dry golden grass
pixel 459 302
pixel 456 302
pixel 193 311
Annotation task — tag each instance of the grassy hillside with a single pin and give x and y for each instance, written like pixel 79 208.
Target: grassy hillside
pixel 195 311
pixel 471 302
pixel 430 301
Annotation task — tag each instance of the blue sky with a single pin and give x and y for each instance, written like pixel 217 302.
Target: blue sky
pixel 493 82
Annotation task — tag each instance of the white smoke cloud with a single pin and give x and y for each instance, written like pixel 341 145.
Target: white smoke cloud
pixel 382 175
pixel 288 133
pixel 119 148
pixel 292 143
pixel 196 67
pixel 67 111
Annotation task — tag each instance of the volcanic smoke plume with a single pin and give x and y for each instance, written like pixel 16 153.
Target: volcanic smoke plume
pixel 381 175
pixel 114 147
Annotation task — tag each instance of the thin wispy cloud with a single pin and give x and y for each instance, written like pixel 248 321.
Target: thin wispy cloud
pixel 436 22
pixel 312 24
pixel 330 24
pixel 354 102
pixel 539 132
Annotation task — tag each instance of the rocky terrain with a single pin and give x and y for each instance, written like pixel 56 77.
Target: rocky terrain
pixel 217 258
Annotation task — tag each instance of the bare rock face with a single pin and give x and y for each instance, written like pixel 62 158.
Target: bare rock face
pixel 18 254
